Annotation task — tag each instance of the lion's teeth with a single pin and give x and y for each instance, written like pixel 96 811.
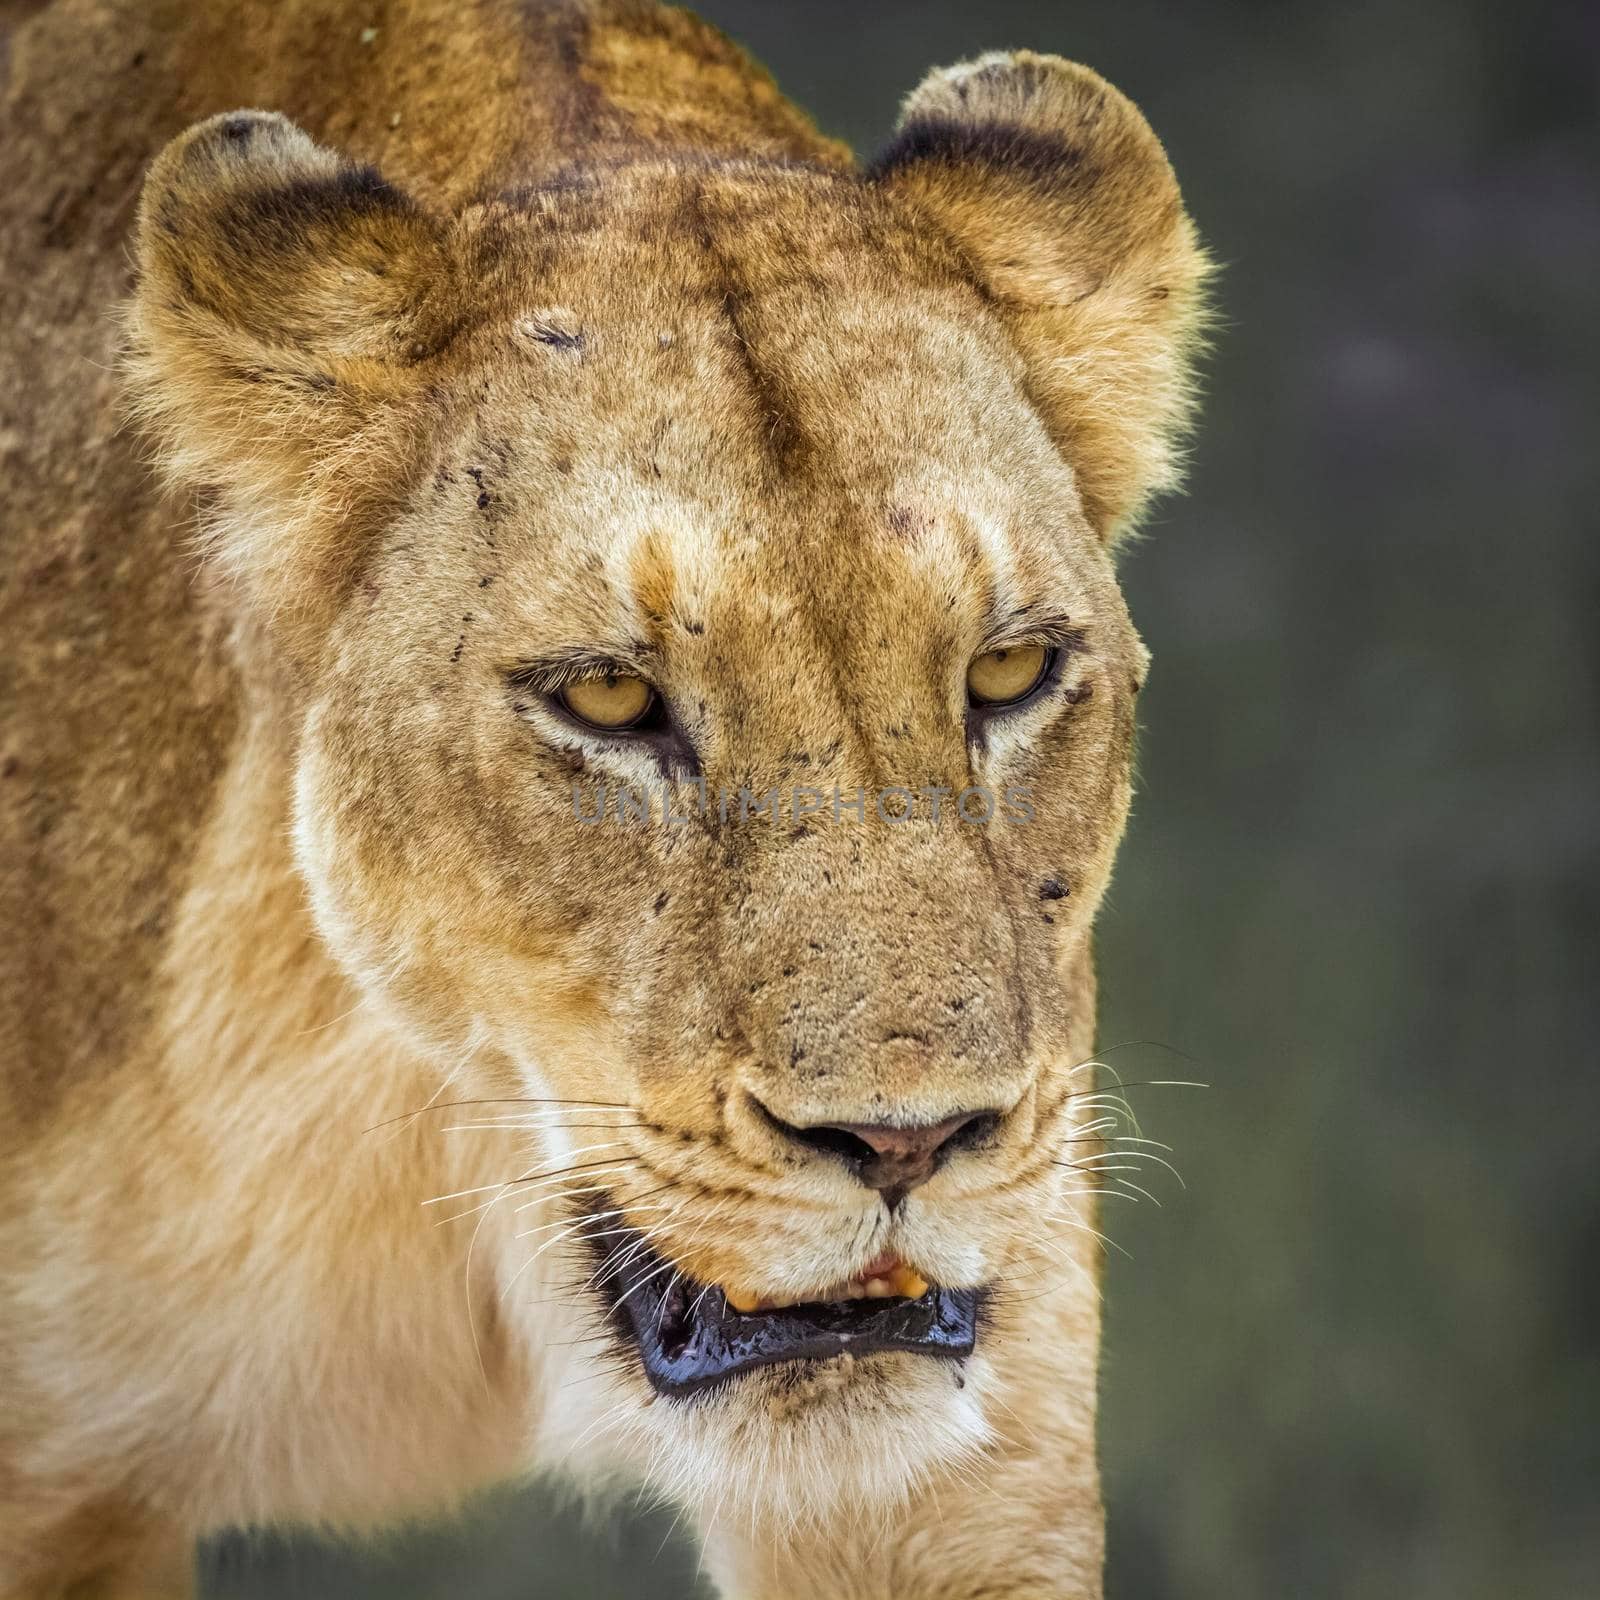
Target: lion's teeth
pixel 900 1281
pixel 911 1284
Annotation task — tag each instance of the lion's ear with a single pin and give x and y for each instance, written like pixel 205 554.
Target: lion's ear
pixel 282 304
pixel 1057 191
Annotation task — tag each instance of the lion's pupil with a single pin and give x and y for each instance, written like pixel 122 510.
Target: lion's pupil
pixel 1001 676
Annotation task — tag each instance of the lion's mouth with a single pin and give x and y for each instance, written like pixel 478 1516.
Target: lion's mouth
pixel 691 1337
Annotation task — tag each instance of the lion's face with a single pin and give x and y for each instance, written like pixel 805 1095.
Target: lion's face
pixel 713 741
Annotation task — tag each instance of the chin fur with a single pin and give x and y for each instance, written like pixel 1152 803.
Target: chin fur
pixel 787 1449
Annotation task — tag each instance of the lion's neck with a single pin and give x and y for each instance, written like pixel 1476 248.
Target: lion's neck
pixel 317 1283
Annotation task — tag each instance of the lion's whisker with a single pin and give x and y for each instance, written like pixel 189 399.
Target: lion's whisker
pixel 460 1194
pixel 538 1180
pixel 1083 1227
pixel 1092 1162
pixel 510 1100
pixel 654 1272
pixel 1145 1192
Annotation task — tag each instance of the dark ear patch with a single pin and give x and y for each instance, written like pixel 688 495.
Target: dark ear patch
pixel 1061 198
pixel 247 221
pixel 1041 158
pixel 285 302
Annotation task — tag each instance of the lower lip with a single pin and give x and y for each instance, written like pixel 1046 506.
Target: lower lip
pixel 724 1344
pixel 690 1341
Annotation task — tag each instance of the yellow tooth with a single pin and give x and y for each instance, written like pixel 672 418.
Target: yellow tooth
pixel 901 1282
pixel 908 1283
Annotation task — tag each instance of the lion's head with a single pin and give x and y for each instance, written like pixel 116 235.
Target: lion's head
pixel 779 497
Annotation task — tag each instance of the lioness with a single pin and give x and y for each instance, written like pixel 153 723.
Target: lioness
pixel 548 886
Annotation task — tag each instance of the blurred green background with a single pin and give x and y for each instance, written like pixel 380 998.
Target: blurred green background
pixel 1358 1355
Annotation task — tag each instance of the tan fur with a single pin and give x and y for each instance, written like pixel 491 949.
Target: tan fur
pixel 619 353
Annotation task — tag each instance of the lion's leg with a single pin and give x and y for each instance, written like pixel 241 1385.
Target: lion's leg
pixel 1020 1520
pixel 1006 1537
pixel 99 1554
pixel 165 1572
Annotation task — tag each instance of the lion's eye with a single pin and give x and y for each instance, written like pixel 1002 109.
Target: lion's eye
pixel 1003 677
pixel 613 703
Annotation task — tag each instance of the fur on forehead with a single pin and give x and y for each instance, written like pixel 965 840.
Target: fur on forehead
pixel 1017 264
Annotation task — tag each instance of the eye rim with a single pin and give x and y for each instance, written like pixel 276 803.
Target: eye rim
pixel 534 686
pixel 560 697
pixel 544 682
pixel 1049 661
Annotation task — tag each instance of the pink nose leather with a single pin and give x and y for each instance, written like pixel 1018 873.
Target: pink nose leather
pixel 892 1159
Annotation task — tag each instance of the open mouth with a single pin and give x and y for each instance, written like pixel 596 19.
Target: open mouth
pixel 693 1336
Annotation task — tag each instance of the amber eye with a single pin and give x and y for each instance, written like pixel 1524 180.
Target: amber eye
pixel 1003 677
pixel 613 703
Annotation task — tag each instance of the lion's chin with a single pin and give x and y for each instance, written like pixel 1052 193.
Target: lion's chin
pixel 786 1413
pixel 788 1446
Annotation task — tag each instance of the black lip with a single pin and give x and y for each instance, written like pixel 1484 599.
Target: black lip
pixel 691 1340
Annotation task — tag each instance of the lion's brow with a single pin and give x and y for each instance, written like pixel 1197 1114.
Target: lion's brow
pixel 1043 623
pixel 549 672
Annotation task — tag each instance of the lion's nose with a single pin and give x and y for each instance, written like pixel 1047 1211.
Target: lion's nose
pixel 893 1158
